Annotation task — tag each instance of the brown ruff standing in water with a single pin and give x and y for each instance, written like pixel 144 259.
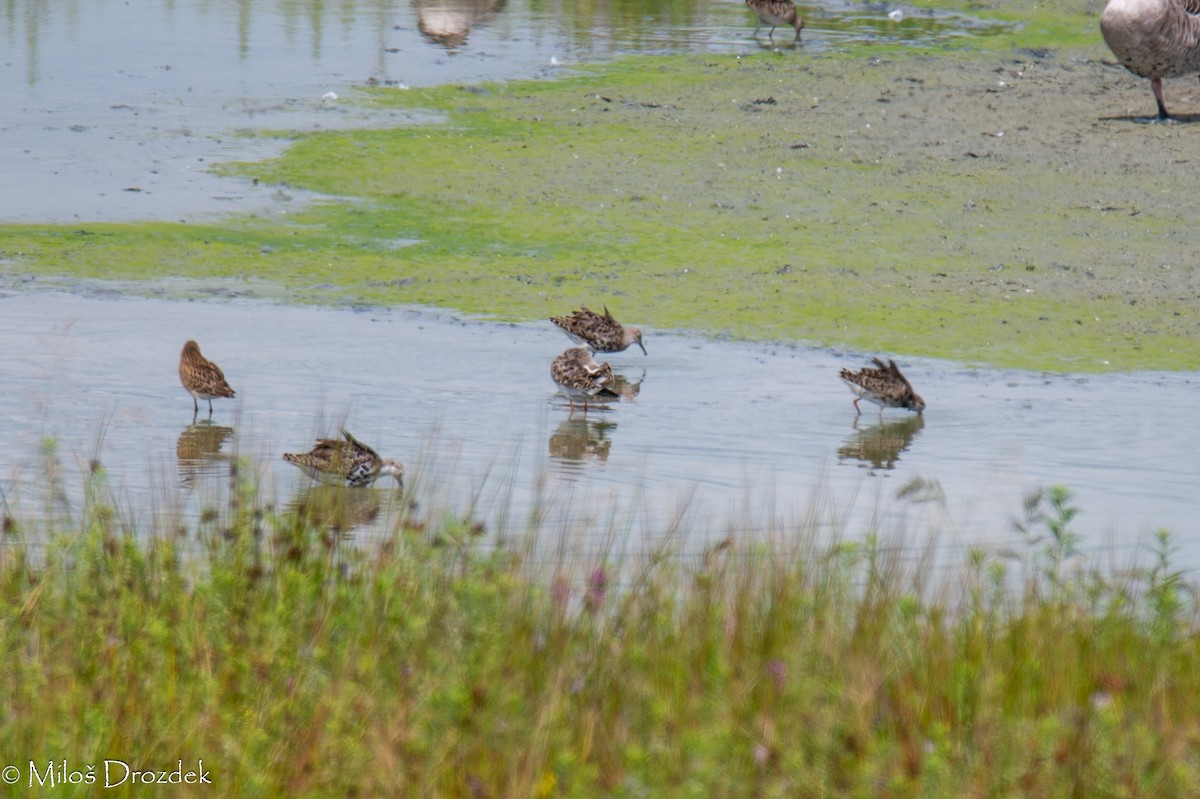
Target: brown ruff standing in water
pixel 598 333
pixel 883 385
pixel 774 13
pixel 201 377
pixel 346 460
pixel 579 378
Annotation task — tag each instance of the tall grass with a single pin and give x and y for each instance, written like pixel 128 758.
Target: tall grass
pixel 293 663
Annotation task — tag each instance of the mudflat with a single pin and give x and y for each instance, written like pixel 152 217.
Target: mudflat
pixel 999 205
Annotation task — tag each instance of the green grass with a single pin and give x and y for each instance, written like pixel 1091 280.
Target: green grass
pixel 296 663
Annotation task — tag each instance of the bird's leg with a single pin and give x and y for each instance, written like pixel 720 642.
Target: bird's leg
pixel 195 408
pixel 1156 87
pixel 856 399
pixel 771 35
pixel 757 29
pixel 797 35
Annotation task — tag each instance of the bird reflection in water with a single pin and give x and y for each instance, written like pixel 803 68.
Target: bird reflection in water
pixel 624 388
pixel 447 22
pixel 580 439
pixel 198 451
pixel 878 446
pixel 336 509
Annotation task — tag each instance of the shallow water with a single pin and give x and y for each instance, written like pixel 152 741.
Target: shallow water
pixel 114 111
pixel 731 435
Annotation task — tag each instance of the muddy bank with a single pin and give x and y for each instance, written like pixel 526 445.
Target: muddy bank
pixel 999 207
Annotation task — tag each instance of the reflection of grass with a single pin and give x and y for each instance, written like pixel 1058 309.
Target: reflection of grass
pixel 426 666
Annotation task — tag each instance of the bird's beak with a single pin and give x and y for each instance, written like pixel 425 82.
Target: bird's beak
pixel 643 346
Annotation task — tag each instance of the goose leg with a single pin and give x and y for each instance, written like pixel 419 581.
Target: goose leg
pixel 1156 87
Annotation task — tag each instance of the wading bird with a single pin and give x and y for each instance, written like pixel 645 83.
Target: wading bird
pixel 579 378
pixel 344 460
pixel 598 333
pixel 201 377
pixel 883 385
pixel 774 13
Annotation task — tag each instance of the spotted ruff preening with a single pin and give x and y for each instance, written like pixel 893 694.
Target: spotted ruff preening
pixel 883 385
pixel 344 460
pixel 774 13
pixel 580 379
pixel 598 333
pixel 201 377
pixel 1154 39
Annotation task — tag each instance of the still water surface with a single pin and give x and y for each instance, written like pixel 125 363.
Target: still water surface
pixel 731 433
pixel 113 110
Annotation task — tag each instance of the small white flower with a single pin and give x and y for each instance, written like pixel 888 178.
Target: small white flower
pixel 762 755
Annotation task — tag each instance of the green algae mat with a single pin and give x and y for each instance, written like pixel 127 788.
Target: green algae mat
pixel 994 206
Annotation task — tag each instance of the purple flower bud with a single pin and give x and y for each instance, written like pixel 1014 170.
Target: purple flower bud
pixel 597 589
pixel 776 669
